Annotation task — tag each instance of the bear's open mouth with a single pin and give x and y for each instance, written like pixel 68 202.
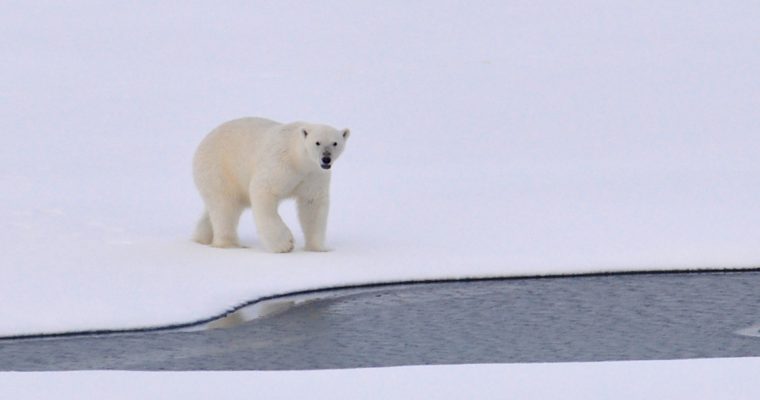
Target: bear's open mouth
pixel 326 166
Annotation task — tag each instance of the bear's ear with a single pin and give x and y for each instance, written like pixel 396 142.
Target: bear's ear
pixel 304 132
pixel 346 133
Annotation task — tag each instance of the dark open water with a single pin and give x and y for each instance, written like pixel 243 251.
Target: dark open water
pixel 593 318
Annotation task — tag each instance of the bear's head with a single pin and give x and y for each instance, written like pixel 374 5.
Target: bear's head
pixel 324 144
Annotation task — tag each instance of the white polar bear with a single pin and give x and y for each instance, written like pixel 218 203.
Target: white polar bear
pixel 256 162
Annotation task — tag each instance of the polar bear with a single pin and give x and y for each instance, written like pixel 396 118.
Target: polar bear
pixel 256 163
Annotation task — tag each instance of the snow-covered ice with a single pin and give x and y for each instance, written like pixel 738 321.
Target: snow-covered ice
pixel 734 379
pixel 497 138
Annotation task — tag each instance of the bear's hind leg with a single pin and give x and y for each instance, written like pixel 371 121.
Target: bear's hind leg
pixel 203 232
pixel 224 222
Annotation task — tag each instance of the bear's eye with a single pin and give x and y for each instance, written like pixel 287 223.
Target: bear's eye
pixel 335 144
pixel 317 143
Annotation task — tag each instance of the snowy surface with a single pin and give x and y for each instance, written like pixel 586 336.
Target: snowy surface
pixel 498 138
pixel 734 379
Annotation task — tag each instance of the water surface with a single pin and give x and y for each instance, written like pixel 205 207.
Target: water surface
pixel 592 318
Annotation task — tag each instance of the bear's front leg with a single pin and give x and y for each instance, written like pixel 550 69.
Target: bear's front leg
pixel 312 213
pixel 272 230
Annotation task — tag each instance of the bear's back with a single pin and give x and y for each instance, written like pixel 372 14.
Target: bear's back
pixel 232 151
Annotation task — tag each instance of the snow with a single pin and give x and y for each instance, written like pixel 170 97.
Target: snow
pixel 489 139
pixel 685 379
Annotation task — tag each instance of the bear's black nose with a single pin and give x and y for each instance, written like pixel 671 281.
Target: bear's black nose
pixel 326 160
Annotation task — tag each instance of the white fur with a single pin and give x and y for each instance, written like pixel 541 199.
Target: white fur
pixel 256 162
